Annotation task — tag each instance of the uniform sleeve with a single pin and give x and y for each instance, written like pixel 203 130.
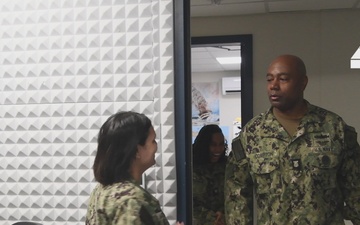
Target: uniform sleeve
pixel 129 213
pixel 238 188
pixel 137 212
pixel 350 176
pixel 202 214
pixel 90 214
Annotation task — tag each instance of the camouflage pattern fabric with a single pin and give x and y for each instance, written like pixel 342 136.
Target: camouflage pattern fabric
pixel 300 180
pixel 208 192
pixel 122 204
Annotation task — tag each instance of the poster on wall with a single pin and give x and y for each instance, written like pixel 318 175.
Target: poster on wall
pixel 237 127
pixel 205 103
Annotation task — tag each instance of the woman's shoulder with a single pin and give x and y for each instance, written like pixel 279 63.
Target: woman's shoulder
pixel 121 191
pixel 126 199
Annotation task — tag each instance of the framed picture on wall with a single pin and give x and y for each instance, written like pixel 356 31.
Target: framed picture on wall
pixel 205 103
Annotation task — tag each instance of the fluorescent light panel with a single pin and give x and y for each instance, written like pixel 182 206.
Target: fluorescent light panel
pixel 229 60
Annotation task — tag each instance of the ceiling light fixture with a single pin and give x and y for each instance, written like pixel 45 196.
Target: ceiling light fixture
pixel 229 60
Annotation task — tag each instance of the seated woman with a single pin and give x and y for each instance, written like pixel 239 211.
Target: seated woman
pixel 209 159
pixel 126 148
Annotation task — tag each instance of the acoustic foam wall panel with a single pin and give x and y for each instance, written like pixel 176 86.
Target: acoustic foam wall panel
pixel 66 66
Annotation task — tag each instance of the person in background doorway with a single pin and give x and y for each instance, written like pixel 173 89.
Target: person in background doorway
pixel 302 161
pixel 126 148
pixel 209 160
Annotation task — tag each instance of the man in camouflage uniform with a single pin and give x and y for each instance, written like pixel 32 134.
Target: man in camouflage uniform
pixel 301 162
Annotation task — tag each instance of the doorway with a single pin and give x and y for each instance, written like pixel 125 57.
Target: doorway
pixel 241 45
pixel 183 102
pixel 221 88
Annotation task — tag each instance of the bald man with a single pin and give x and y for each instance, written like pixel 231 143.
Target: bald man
pixel 301 162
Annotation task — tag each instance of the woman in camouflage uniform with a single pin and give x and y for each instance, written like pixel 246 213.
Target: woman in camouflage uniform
pixel 126 148
pixel 208 176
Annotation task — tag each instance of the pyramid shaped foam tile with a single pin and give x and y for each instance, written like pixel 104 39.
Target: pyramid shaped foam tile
pixel 146 93
pixel 49 93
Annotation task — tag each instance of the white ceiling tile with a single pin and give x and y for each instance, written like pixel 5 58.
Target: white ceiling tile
pixel 204 8
pixel 300 5
pixel 203 59
pixel 227 9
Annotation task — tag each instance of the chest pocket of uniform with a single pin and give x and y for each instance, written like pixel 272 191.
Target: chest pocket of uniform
pixel 264 167
pixel 323 166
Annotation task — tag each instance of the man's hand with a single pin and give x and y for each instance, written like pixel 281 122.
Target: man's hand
pixel 220 220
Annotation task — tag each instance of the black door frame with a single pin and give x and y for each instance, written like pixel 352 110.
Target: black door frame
pixel 182 98
pixel 182 101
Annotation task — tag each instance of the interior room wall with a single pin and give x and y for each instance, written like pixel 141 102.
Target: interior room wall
pixel 229 105
pixel 325 40
pixel 66 66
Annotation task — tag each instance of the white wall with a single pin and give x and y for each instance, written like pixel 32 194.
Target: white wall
pixel 324 40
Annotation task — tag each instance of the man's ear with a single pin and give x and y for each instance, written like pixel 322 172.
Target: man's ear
pixel 305 81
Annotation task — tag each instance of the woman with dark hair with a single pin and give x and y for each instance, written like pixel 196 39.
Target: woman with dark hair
pixel 209 159
pixel 126 148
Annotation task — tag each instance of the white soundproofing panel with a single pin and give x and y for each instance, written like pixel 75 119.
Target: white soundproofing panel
pixel 66 66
